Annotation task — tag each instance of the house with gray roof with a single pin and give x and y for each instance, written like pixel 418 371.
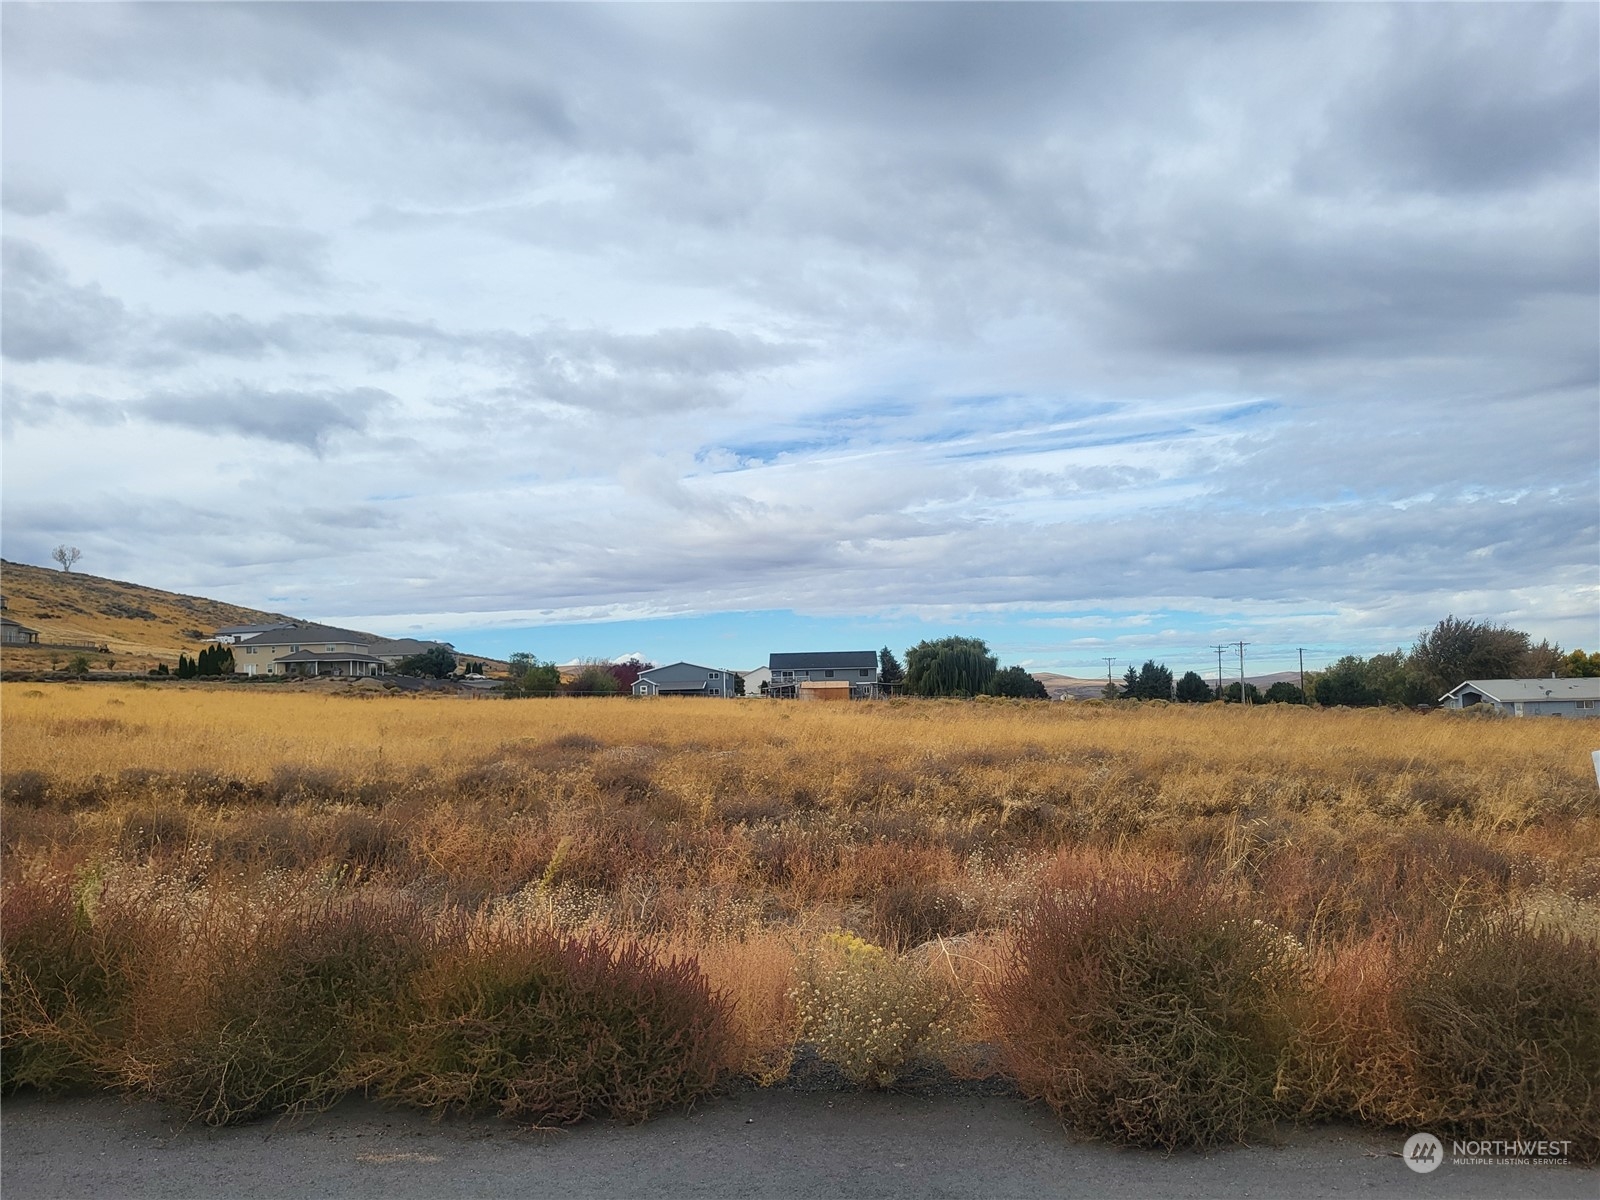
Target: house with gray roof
pixel 14 633
pixel 270 651
pixel 1528 697
pixel 859 668
pixel 263 653
pixel 392 650
pixel 232 635
pixel 685 679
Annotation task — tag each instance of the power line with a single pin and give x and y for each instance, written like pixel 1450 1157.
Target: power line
pixel 1219 650
pixel 1244 696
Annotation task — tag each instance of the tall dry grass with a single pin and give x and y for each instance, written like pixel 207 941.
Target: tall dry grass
pixel 736 837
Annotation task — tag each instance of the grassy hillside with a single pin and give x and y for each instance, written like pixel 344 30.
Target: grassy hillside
pixel 139 626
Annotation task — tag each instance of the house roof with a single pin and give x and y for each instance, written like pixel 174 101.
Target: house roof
pixel 243 630
pixel 307 656
pixel 1509 691
pixel 16 625
pixel 300 634
pixel 405 647
pixel 669 666
pixel 811 660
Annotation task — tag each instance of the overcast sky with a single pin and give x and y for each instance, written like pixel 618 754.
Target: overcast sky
pixel 1092 329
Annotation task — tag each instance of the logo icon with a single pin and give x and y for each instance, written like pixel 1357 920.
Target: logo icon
pixel 1423 1153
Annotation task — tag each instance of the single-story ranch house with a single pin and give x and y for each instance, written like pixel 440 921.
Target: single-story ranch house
pixel 1528 697
pixel 684 679
pixel 14 634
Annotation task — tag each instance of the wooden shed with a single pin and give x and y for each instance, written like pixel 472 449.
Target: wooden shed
pixel 825 689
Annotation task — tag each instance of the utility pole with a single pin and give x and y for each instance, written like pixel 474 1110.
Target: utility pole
pixel 1303 696
pixel 1108 662
pixel 1244 696
pixel 1219 650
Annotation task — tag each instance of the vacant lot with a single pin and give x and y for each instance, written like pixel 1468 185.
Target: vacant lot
pixel 1170 923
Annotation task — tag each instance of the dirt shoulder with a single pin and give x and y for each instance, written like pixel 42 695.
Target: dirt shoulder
pixel 766 1144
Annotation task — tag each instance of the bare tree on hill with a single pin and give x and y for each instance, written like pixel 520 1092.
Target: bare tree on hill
pixel 66 556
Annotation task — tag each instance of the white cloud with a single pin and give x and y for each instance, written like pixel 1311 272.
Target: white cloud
pixel 615 312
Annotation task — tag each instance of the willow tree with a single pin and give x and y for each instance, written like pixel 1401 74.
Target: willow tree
pixel 952 666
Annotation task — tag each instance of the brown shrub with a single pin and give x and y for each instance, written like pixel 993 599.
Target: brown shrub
pixel 63 981
pixel 1146 1011
pixel 552 1030
pixel 251 1014
pixel 908 914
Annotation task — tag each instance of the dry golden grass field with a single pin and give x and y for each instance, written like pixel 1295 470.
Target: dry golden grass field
pixel 1171 923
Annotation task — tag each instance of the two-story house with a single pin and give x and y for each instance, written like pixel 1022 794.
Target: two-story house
pixel 845 674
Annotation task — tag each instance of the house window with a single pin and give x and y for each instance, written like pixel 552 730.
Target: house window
pixel 865 672
pixel 785 674
pixel 294 649
pixel 332 647
pixel 714 675
pixel 827 674
pixel 1585 703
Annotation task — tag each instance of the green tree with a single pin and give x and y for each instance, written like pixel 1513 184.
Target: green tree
pixel 889 673
pixel 1193 690
pixel 436 662
pixel 1345 683
pixel 187 667
pixel 1251 691
pixel 1583 666
pixel 1456 650
pixel 530 677
pixel 79 665
pixel 1018 684
pixel 1543 661
pixel 1152 681
pixel 1284 692
pixel 738 684
pixel 595 679
pixel 951 666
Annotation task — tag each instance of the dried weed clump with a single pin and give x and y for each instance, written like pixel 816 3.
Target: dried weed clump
pixel 550 1030
pixel 870 1012
pixel 1489 1030
pixel 64 980
pixel 1148 1011
pixel 258 1012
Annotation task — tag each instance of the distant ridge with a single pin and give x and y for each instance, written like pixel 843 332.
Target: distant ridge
pixel 139 626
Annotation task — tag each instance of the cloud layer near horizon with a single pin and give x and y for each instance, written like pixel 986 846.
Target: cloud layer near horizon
pixel 1288 311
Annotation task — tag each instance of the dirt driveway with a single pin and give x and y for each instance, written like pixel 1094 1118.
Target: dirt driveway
pixel 776 1143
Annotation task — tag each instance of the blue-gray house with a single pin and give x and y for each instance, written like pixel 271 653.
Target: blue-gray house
pixel 684 679
pixel 858 668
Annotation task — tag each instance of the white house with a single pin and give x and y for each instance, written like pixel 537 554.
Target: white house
pixel 1528 697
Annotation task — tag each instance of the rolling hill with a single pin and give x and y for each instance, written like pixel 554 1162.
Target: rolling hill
pixel 137 626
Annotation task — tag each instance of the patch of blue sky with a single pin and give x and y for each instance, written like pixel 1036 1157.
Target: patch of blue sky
pixel 1041 639
pixel 779 448
pixel 1242 412
pixel 1081 442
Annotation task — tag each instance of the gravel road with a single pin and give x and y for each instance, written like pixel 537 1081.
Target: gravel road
pixel 766 1144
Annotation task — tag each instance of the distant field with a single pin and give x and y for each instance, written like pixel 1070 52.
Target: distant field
pixel 806 855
